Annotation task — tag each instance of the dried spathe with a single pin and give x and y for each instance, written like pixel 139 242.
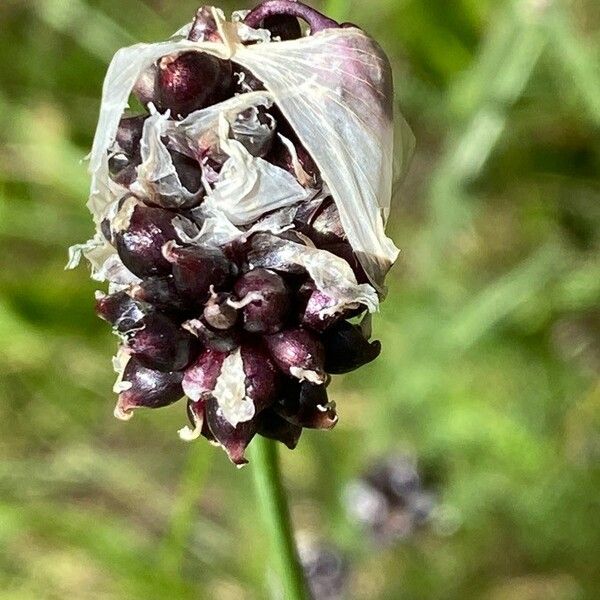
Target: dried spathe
pixel 240 219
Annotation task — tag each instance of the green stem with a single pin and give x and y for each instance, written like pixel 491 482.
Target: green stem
pixel 273 504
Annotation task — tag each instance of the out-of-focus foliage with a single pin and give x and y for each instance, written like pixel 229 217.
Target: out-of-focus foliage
pixel 491 331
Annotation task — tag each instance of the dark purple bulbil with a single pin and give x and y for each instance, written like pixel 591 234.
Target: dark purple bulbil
pixel 160 343
pixel 191 81
pixel 140 243
pixel 220 340
pixel 279 8
pixel 129 134
pixel 347 349
pixel 280 156
pixel 196 269
pixel 262 376
pixel 267 298
pixel 160 292
pixel 315 308
pixel 298 353
pixel 188 171
pixel 149 388
pixel 126 157
pixel 306 405
pixel 201 377
pixel 284 27
pixel 271 425
pixel 195 319
pixel 323 226
pixel 121 311
pixel 234 440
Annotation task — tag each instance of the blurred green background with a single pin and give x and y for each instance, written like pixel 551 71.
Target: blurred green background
pixel 491 331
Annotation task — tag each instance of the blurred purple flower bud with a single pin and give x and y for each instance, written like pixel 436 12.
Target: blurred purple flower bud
pixel 141 233
pixel 160 344
pixel 346 348
pixel 145 388
pixel 326 569
pixel 196 269
pixel 389 500
pixel 263 300
pixel 298 353
pixel 191 81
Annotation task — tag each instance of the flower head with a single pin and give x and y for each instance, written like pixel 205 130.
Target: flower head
pixel 240 219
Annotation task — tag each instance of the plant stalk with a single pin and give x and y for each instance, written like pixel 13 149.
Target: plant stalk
pixel 274 507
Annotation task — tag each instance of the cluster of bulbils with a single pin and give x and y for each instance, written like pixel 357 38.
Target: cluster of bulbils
pixel 250 339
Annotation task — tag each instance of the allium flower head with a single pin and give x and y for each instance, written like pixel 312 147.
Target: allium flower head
pixel 240 218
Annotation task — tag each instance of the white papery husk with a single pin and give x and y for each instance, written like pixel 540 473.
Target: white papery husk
pixel 334 87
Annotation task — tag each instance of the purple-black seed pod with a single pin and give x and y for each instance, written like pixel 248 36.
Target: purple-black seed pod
pixel 219 340
pixel 196 269
pixel 307 405
pixel 264 301
pixel 201 376
pixel 159 292
pixel 191 81
pixel 347 349
pixel 218 313
pixel 284 27
pixel 274 427
pixel 122 312
pixel 299 353
pixel 147 388
pixel 142 233
pixel 234 440
pixel 262 376
pixel 160 344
